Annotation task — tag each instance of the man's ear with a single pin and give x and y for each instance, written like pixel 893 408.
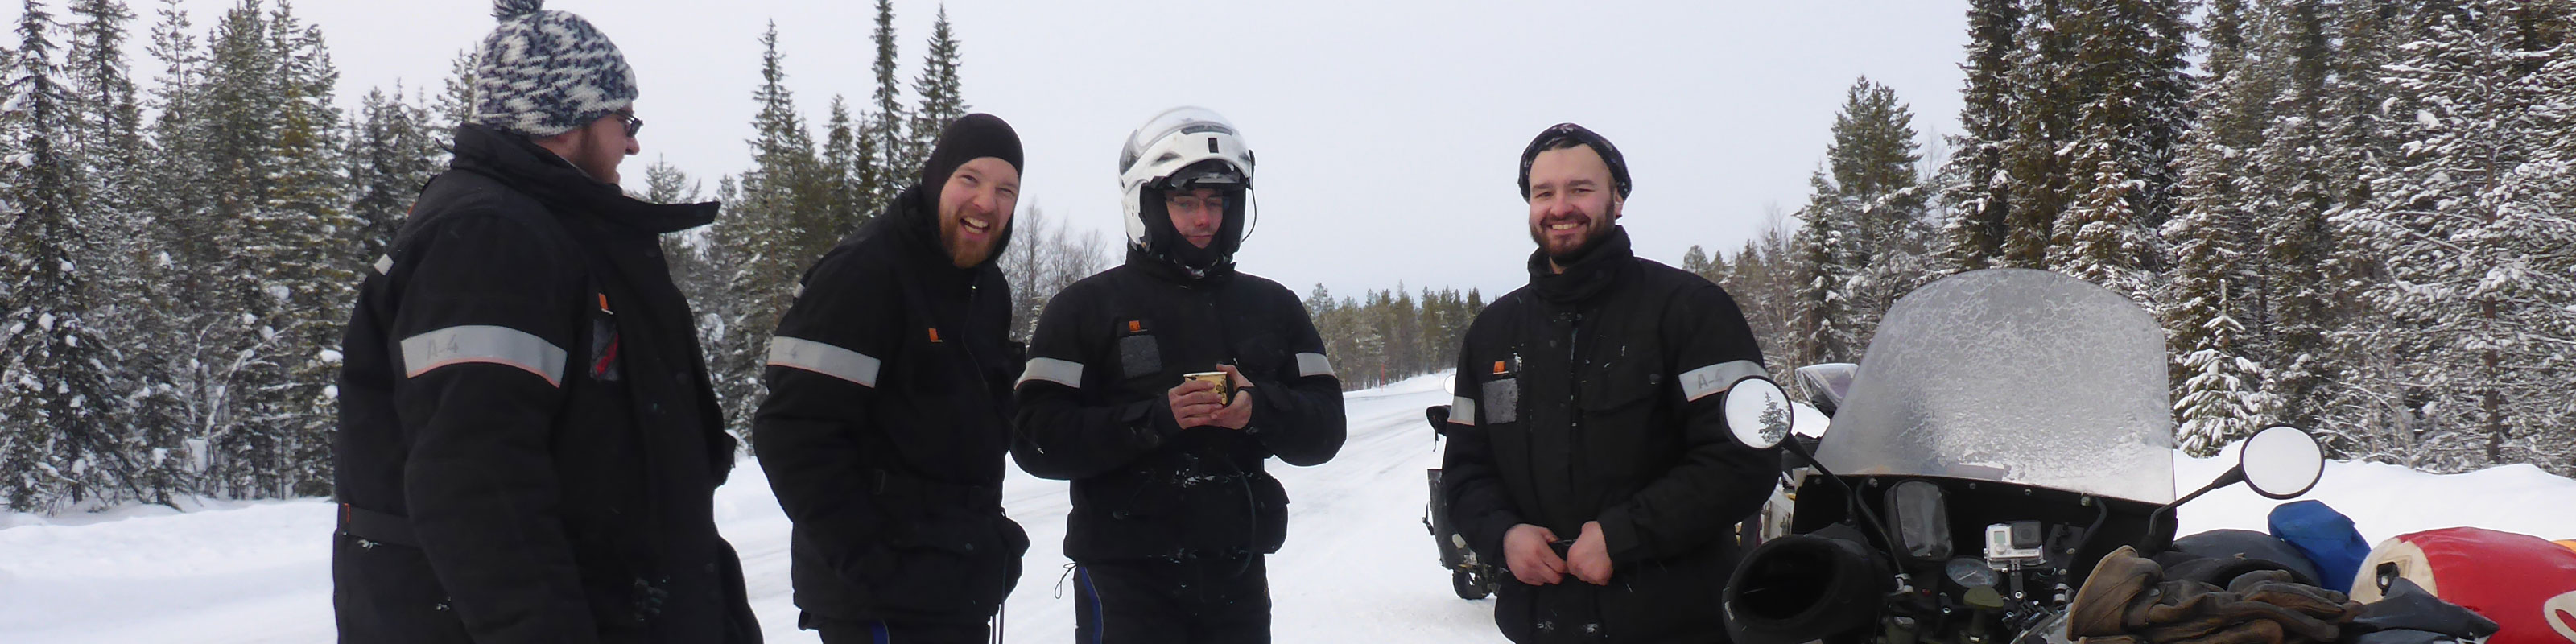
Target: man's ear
pixel 1618 207
pixel 566 144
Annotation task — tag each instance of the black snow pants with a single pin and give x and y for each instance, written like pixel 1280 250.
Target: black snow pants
pixel 1212 600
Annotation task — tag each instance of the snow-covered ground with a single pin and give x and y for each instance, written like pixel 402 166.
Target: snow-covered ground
pixel 1358 564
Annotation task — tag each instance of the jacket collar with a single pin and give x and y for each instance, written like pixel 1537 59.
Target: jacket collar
pixel 537 172
pixel 1172 271
pixel 1596 271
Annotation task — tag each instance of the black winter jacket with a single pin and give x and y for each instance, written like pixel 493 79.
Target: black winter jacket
pixel 528 443
pixel 887 417
pixel 1591 396
pixel 1092 410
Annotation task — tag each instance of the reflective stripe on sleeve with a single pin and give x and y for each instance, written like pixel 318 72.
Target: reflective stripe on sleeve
pixel 826 359
pixel 1062 372
pixel 1310 365
pixel 486 344
pixel 1699 383
pixel 384 264
pixel 1462 411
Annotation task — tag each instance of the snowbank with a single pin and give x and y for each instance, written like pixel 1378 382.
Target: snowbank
pixel 1358 564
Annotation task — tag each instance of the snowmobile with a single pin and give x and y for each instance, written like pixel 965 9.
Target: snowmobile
pixel 2006 429
pixel 1468 576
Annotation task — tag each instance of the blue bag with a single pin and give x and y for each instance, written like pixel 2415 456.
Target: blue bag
pixel 2326 537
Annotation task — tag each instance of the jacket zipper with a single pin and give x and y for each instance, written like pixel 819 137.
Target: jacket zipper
pixel 1573 393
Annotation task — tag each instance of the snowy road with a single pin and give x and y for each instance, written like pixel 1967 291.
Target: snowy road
pixel 1358 564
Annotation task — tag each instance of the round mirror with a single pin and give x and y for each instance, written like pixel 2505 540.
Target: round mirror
pixel 1758 412
pixel 2282 462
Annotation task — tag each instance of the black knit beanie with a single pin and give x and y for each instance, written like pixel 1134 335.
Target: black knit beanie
pixel 970 137
pixel 1557 134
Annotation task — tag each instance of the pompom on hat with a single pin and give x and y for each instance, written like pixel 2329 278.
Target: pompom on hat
pixel 543 73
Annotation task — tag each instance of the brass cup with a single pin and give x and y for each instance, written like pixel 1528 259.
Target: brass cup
pixel 1224 384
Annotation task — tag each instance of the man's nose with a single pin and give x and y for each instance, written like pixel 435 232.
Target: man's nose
pixel 985 201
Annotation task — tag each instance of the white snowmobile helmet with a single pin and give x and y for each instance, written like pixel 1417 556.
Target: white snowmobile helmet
pixel 1174 141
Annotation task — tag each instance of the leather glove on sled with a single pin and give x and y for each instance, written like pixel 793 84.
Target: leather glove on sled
pixel 2127 600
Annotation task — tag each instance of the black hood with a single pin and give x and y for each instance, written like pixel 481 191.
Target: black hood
pixel 1588 275
pixel 520 163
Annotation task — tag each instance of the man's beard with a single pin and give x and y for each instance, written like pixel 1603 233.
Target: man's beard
pixel 963 253
pixel 1593 235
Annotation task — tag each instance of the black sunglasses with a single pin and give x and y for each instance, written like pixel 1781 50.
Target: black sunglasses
pixel 633 124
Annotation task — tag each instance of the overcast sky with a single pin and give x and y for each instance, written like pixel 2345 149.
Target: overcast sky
pixel 1388 131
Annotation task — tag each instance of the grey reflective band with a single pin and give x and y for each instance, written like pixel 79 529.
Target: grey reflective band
pixel 817 357
pixel 799 292
pixel 1310 365
pixel 1062 372
pixel 1700 383
pixel 486 344
pixel 1462 411
pixel 384 264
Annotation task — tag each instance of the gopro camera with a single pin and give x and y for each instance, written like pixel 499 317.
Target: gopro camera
pixel 2015 545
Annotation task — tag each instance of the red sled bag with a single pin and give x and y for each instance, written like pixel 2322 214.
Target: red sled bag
pixel 2525 583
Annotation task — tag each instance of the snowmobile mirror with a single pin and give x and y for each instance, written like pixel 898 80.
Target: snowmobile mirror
pixel 1827 384
pixel 2279 463
pixel 1757 411
pixel 2282 462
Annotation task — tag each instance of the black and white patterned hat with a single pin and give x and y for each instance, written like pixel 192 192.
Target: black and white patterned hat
pixel 545 73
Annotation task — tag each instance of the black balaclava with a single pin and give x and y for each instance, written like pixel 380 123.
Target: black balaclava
pixel 1164 241
pixel 970 137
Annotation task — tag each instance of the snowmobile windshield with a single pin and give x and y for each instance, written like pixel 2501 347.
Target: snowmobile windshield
pixel 2016 376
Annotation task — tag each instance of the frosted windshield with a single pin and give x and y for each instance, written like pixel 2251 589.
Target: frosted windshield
pixel 2013 375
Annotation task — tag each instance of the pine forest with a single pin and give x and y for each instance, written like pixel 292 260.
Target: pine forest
pixel 2352 216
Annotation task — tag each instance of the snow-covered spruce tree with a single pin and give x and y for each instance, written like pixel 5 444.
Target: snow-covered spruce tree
pixel 2543 194
pixel 1873 160
pixel 1766 286
pixel 2218 395
pixel 1825 278
pixel 2293 195
pixel 897 161
pixel 2464 260
pixel 2375 408
pixel 1972 234
pixel 116 160
pixel 2119 159
pixel 2044 100
pixel 845 200
pixel 455 105
pixel 940 90
pixel 394 151
pixel 768 231
pixel 108 127
pixel 170 193
pixel 59 442
pixel 307 247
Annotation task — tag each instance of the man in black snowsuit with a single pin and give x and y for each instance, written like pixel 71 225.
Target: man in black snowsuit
pixel 1172 511
pixel 888 409
pixel 528 445
pixel 1587 450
